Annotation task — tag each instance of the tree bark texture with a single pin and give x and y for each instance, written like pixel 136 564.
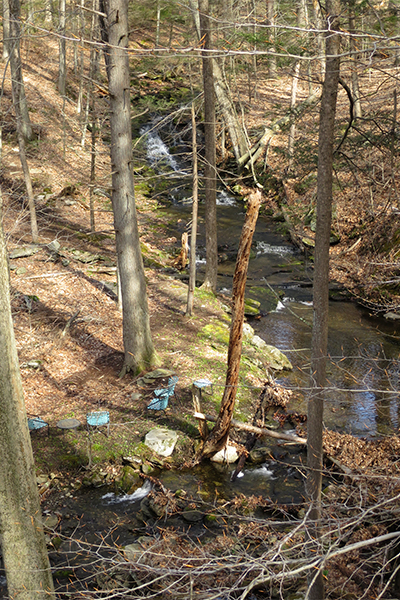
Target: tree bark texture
pixel 28 184
pixel 219 435
pixel 23 545
pixel 18 88
pixel 354 61
pixel 6 29
pixel 138 345
pixel 210 172
pixel 62 58
pixel 272 67
pixel 319 342
pixel 193 237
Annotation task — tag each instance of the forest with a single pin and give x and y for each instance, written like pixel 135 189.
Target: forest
pixel 199 300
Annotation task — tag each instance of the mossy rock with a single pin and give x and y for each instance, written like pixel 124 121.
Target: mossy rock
pixel 129 481
pixel 272 357
pixel 215 332
pixel 251 307
pixel 268 299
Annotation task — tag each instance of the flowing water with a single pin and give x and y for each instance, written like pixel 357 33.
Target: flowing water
pixel 363 370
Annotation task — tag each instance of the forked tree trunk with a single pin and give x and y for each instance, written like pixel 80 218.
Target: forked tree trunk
pixel 219 434
pixel 22 539
pixel 138 345
pixel 319 342
pixel 260 147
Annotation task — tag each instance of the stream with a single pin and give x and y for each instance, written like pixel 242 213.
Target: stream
pixel 363 369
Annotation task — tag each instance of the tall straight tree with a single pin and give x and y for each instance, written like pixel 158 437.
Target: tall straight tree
pixel 22 539
pixel 319 344
pixel 210 171
pixel 62 55
pixel 18 88
pixel 138 346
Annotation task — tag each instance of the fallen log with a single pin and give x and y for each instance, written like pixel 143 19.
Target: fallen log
pixel 252 429
pixel 256 152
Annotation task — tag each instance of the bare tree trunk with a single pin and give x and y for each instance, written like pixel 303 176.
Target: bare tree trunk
pixel 22 539
pixel 81 56
pixel 48 8
pixel 321 282
pixel 210 171
pixel 320 35
pixel 18 88
pixel 301 20
pixel 219 435
pixel 138 345
pixel 222 92
pixel 6 29
pixel 192 269
pixel 92 165
pixel 271 35
pixel 354 63
pixel 292 130
pixel 62 50
pixel 28 185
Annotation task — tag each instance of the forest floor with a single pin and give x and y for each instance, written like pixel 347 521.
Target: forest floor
pixel 67 322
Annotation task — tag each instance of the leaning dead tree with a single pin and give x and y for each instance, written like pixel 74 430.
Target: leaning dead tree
pixel 227 108
pixel 219 435
pixel 259 148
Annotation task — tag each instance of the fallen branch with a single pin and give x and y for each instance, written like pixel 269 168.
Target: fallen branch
pixel 274 128
pixel 268 432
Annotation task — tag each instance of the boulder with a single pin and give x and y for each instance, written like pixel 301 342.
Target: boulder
pixel 161 440
pixel 275 358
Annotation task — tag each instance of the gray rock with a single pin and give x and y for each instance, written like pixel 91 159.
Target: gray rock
pixel 192 516
pixel 258 455
pixel 161 440
pixel 149 378
pixel 24 251
pixel 226 455
pixel 391 316
pixel 275 358
pixel 50 522
pixel 54 246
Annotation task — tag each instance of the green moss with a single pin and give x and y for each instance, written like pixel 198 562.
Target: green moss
pixel 215 332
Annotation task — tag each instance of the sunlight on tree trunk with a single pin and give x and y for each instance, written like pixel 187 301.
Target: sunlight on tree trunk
pixel 22 539
pixel 6 29
pixel 18 88
pixel 138 345
pixel 62 64
pixel 219 434
pixel 210 173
